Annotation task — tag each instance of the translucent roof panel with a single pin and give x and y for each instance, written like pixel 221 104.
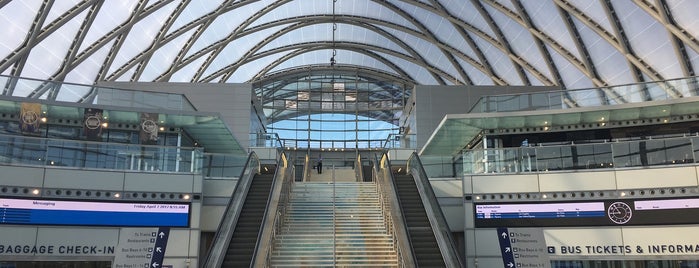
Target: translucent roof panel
pixel 568 44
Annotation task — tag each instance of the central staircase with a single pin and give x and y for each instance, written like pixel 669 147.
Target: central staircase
pixel 334 224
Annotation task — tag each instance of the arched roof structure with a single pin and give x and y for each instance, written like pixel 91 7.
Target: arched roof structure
pixel 566 43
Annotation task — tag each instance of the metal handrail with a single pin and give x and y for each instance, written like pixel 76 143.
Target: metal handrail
pixel 441 230
pixel 358 171
pixel 306 168
pixel 384 178
pixel 230 217
pixel 276 209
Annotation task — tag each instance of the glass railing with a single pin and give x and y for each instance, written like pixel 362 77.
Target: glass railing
pixel 400 141
pixel 22 150
pixel 566 99
pixel 222 165
pixel 267 140
pixel 67 92
pixel 603 155
pixel 439 166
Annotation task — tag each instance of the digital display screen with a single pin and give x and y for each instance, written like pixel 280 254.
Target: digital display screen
pixel 93 213
pixel 596 213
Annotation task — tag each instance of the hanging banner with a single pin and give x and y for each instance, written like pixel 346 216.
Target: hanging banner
pixel 29 118
pixel 149 128
pixel 92 124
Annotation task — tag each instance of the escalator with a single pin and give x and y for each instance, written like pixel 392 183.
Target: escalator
pixel 241 248
pixel 421 228
pixel 423 241
pixel 246 228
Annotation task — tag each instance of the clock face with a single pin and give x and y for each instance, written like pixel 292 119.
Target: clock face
pixel 619 212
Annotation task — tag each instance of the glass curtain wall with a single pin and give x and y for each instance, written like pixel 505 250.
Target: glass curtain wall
pixel 332 112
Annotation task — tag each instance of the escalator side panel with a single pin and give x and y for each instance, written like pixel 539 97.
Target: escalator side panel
pixel 242 245
pixel 424 243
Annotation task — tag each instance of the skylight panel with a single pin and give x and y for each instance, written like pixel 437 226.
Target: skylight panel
pixel 416 72
pixel 163 58
pixel 110 15
pixel 296 9
pixel 685 14
pixel 86 72
pixel 476 75
pixel 521 42
pixel 248 70
pixel 186 73
pixel 611 66
pixel 594 10
pixel 194 10
pixel 141 36
pixel 546 18
pixel 235 50
pixel 221 27
pixel 467 12
pixel 641 27
pixel 501 63
pixel 572 77
pixel 46 58
pixel 16 18
pixel 58 8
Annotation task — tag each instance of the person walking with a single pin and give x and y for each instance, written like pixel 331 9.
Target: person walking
pixel 320 164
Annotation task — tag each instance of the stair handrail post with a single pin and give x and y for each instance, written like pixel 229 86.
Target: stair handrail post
pixel 334 218
pixel 275 210
pixel 385 176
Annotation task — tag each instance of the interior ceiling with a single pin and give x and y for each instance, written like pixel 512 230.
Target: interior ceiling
pixel 566 43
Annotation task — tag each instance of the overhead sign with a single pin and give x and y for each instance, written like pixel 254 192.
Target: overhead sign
pixel 628 241
pixel 590 213
pixel 141 248
pixel 92 213
pixel 523 247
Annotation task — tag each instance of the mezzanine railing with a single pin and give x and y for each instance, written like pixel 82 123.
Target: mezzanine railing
pixel 592 155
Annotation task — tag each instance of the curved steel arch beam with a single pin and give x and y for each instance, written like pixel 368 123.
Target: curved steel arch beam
pixel 67 64
pixel 523 19
pixel 612 40
pixel 294 75
pixel 202 22
pixel 241 27
pixel 624 44
pixel 157 41
pixel 502 40
pixel 232 67
pixel 298 49
pixel 353 20
pixel 465 28
pixel 38 34
pixel 432 38
pixel 680 38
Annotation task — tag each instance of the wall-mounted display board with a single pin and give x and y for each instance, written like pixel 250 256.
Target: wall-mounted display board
pixel 588 213
pixel 93 213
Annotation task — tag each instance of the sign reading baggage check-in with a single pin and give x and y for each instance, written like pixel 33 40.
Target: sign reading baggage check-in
pixel 523 247
pixel 141 248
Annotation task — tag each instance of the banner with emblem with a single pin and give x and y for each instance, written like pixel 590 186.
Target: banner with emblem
pixel 149 128
pixel 30 118
pixel 92 124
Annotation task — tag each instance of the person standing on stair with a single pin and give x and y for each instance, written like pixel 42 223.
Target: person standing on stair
pixel 320 164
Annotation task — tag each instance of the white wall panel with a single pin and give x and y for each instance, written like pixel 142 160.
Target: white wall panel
pixel 505 183
pixel 576 181
pixel 447 188
pixel 21 176
pixel 84 179
pixel 210 217
pixel 487 243
pixel 158 182
pixel 656 177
